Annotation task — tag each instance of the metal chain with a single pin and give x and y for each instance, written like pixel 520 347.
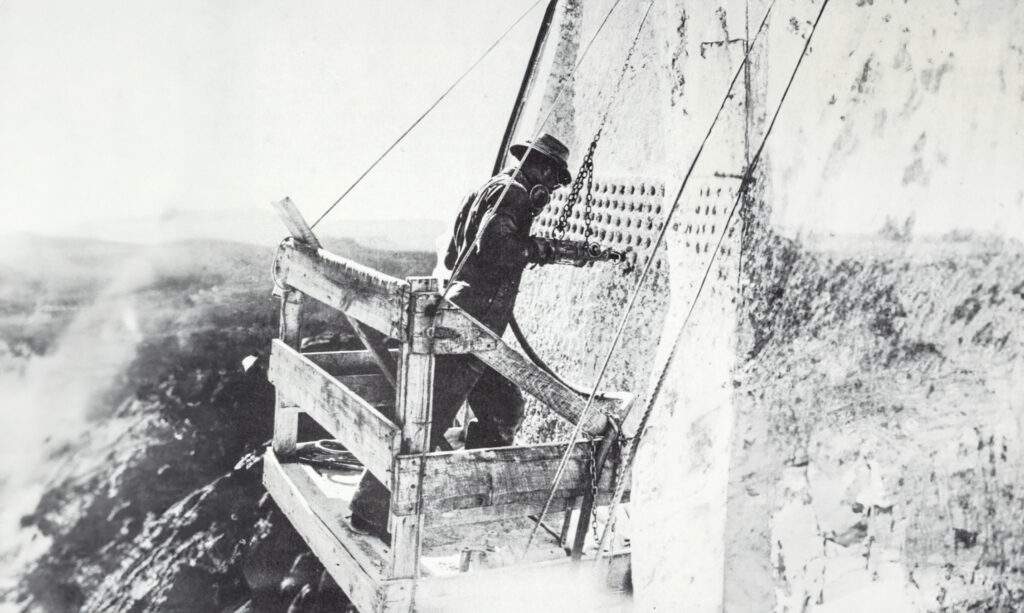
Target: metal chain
pixel 618 481
pixel 592 466
pixel 588 199
pixel 585 176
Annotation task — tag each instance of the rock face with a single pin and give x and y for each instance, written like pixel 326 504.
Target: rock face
pixel 841 424
pixel 132 480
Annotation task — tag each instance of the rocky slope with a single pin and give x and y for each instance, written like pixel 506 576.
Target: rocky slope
pixel 136 482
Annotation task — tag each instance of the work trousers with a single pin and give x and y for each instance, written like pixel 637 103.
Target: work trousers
pixel 496 403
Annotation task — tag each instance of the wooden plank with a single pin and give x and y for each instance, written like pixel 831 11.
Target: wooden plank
pixel 289 325
pixel 355 423
pixel 295 222
pixel 540 586
pixel 373 298
pixel 286 418
pixel 331 505
pixel 545 388
pixel 286 426
pixel 348 362
pixel 455 332
pixel 374 343
pixel 519 370
pixel 350 567
pixel 461 333
pixel 468 486
pixel 415 404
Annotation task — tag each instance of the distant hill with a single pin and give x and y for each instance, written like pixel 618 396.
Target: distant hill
pixel 259 225
pixel 51 278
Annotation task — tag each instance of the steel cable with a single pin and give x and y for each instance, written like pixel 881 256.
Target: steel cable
pixel 461 262
pixel 619 490
pixel 581 422
pixel 457 270
pixel 423 116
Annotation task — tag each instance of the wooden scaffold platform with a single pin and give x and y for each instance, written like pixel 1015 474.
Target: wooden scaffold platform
pixel 459 519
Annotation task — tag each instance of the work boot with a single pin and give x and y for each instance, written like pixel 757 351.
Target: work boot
pixel 370 506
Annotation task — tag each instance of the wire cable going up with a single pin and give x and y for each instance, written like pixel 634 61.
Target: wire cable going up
pixel 585 414
pixel 423 116
pixel 461 263
pixel 517 331
pixel 745 182
pixel 457 270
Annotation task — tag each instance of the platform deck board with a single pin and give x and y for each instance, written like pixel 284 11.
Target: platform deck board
pixel 316 502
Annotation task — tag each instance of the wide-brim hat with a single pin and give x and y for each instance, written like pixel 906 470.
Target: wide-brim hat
pixel 551 148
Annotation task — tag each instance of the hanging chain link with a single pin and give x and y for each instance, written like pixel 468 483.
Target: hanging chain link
pixel 592 465
pixel 584 178
pixel 588 199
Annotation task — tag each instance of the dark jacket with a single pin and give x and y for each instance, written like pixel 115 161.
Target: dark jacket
pixel 494 238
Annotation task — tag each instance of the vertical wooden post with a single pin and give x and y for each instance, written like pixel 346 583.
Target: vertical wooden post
pixel 415 396
pixel 286 414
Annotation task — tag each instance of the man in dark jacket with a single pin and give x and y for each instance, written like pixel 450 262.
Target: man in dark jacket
pixel 490 247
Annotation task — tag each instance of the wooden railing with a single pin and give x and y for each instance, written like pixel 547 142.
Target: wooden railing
pixel 388 428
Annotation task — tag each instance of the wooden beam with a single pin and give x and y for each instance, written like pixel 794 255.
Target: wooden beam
pixel 352 559
pixel 295 222
pixel 289 325
pixel 374 343
pixel 286 418
pixel 415 405
pixel 469 486
pixel 455 332
pixel 286 426
pixel 354 422
pixel 348 362
pixel 519 370
pixel 373 298
pixel 598 586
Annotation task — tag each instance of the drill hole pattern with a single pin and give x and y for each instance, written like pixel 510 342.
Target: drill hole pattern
pixel 631 213
pixel 626 213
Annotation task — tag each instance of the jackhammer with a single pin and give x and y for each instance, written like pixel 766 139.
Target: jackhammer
pixel 579 254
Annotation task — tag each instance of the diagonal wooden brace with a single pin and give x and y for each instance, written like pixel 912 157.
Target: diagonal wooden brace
pixel 371 339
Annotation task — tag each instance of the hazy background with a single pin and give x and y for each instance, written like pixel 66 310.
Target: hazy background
pixel 150 120
pixel 141 144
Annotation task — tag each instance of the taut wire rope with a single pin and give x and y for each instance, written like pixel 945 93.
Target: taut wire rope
pixel 458 268
pixel 423 115
pixel 517 331
pixel 529 146
pixel 630 455
pixel 584 415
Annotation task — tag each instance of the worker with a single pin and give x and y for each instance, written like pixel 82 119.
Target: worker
pixel 489 249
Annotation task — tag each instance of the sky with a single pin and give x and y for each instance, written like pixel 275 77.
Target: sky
pixel 140 110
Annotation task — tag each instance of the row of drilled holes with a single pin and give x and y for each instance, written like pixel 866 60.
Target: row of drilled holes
pixel 610 221
pixel 709 210
pixel 615 205
pixel 643 189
